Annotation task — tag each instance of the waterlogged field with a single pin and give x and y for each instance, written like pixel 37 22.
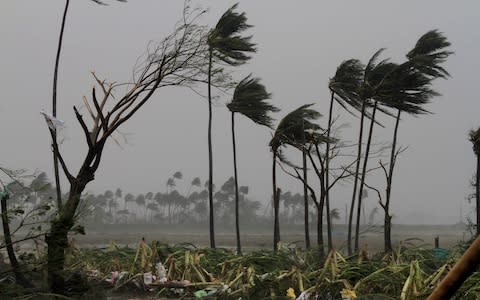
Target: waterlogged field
pixel 260 237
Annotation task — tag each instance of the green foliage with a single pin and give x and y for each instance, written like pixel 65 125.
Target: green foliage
pixel 249 99
pixel 408 273
pixel 474 137
pixel 225 40
pixel 429 52
pixel 346 83
pixel 297 128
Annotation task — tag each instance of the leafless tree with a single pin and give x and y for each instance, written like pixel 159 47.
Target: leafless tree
pixel 178 60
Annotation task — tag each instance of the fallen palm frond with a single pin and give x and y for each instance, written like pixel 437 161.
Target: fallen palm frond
pixel 410 272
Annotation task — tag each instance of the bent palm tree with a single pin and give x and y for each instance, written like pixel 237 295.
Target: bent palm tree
pixel 374 90
pixel 294 129
pixel 344 88
pixel 249 99
pixel 225 44
pixel 413 80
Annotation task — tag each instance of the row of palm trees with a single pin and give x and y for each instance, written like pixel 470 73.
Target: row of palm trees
pixel 175 205
pixel 380 85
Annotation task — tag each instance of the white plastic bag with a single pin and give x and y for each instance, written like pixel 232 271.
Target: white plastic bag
pixel 52 122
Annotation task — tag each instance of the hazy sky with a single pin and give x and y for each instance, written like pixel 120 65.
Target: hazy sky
pixel 300 44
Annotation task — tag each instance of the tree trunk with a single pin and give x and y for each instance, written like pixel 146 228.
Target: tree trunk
pixel 320 242
pixel 388 218
pixel 477 194
pixel 276 204
pixel 210 154
pixel 464 267
pixel 237 200
pixel 327 182
pixel 57 238
pixel 19 278
pixel 305 196
pixel 387 231
pixel 54 106
pixel 57 241
pixel 357 167
pixel 362 180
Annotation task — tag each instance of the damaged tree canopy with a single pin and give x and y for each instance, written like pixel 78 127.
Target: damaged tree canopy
pixel 178 60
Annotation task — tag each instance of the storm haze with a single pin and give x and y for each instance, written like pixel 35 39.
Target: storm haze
pixel 300 44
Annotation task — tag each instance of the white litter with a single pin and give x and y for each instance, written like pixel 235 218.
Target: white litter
pixel 147 278
pixel 161 273
pixel 52 122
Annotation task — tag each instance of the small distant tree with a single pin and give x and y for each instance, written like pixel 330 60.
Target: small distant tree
pixel 474 137
pixel 177 61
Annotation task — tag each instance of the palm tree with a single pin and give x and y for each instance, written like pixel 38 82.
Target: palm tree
pixel 294 129
pixel 140 200
pixel 54 95
pixel 344 89
pixel 225 44
pixel 413 80
pixel 475 139
pixel 249 99
pixel 359 89
pixel 374 88
pixel 305 193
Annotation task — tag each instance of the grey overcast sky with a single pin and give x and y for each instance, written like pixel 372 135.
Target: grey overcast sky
pixel 300 44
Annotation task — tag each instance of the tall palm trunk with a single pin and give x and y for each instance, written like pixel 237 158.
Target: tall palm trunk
pixel 210 154
pixel 327 183
pixel 387 237
pixel 237 200
pixel 477 193
pixel 362 180
pixel 54 105
pixel 276 204
pixel 357 167
pixel 305 195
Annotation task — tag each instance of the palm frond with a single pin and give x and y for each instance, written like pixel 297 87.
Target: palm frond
pixel 298 128
pixel 226 41
pixel 346 83
pixel 372 62
pixel 474 137
pixel 232 50
pixel 407 89
pixel 429 52
pixel 232 22
pixel 249 99
pixel 350 84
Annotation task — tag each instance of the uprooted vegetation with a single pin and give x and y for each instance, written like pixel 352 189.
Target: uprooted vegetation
pixel 157 270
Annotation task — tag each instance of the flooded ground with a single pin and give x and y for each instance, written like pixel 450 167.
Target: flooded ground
pixel 261 236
